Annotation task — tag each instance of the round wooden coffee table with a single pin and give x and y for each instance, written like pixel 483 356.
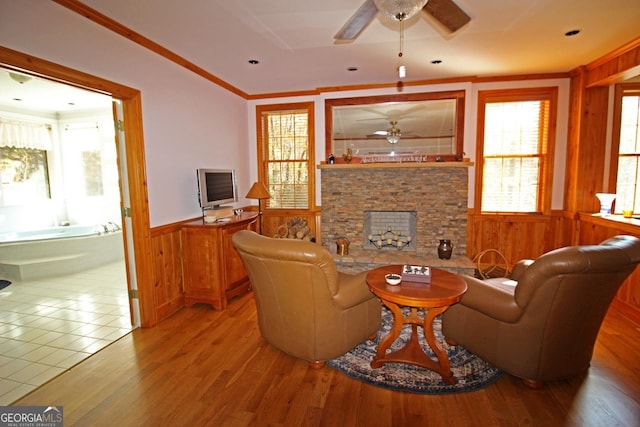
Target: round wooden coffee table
pixel 433 298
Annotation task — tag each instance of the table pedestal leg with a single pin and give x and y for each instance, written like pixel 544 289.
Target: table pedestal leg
pixel 412 352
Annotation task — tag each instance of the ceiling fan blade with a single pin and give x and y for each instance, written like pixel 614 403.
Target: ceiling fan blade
pixel 447 13
pixel 358 21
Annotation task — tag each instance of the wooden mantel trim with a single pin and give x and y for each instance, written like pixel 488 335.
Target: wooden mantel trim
pixel 390 165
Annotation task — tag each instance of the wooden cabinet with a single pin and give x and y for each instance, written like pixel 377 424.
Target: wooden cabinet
pixel 212 269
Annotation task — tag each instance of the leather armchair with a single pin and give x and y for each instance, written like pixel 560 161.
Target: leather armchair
pixel 306 308
pixel 541 324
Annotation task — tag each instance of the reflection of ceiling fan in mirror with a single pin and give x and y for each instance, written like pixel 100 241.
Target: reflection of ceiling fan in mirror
pixel 444 11
pixel 392 134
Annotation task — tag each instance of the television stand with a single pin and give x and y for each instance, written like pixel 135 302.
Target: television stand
pixel 213 271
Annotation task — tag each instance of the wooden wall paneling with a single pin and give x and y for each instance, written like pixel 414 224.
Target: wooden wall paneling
pixel 515 236
pixel 573 139
pixel 586 145
pixel 617 66
pixel 590 165
pixel 565 229
pixel 593 230
pixel 168 289
pixel 529 236
pixel 627 300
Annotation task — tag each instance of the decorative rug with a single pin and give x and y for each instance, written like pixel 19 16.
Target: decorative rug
pixel 471 372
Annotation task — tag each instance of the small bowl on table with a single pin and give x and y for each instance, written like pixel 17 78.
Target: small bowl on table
pixel 393 279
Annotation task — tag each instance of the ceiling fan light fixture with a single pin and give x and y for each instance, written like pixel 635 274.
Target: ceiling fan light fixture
pixel 393 139
pixel 393 133
pixel 399 10
pixel 20 78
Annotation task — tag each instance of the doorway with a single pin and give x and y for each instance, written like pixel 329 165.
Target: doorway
pixel 138 240
pixel 53 321
pixel 60 170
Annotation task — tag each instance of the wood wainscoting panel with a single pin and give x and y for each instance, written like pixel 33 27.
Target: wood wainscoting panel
pixel 517 236
pixel 529 236
pixel 168 289
pixel 593 229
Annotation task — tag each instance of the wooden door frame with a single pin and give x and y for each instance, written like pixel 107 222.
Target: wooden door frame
pixel 136 172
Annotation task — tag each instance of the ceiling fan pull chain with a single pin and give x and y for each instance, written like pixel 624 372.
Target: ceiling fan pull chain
pixel 401 37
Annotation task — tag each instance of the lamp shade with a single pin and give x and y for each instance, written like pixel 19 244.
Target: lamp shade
pixel 258 191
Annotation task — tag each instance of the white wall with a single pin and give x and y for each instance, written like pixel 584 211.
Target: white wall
pixel 188 122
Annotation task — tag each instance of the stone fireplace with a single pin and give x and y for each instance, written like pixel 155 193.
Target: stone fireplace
pixel 433 194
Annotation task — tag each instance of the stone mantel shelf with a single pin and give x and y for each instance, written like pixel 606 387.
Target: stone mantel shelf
pixel 389 165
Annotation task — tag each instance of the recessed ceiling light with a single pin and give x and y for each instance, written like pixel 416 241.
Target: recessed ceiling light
pixel 436 61
pixel 572 33
pixel 352 69
pixel 254 61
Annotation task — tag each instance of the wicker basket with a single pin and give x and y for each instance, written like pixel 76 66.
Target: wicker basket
pixel 491 263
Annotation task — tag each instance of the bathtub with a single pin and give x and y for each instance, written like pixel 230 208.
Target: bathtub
pixel 49 233
pixel 57 251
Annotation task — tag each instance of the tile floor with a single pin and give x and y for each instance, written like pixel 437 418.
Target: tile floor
pixel 49 325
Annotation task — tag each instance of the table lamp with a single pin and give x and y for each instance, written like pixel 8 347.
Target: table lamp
pixel 258 191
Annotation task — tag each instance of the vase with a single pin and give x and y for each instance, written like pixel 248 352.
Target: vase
pixel 342 246
pixel 445 249
pixel 606 202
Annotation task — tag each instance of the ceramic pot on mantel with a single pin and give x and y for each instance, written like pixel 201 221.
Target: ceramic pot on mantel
pixel 445 249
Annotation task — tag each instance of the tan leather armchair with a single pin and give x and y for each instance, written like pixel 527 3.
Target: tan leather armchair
pixel 543 323
pixel 306 308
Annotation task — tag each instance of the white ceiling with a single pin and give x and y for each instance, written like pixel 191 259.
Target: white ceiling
pixel 293 40
pixel 44 96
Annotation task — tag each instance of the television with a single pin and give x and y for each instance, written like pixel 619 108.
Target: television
pixel 215 187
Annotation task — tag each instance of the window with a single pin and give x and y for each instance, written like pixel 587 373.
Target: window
pixel 516 131
pixel 25 176
pixel 92 162
pixel 626 142
pixel 24 172
pixel 285 147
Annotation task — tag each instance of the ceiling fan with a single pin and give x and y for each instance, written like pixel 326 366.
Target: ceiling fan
pixel 447 12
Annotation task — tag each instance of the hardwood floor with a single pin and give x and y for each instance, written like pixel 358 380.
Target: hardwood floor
pixel 206 367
